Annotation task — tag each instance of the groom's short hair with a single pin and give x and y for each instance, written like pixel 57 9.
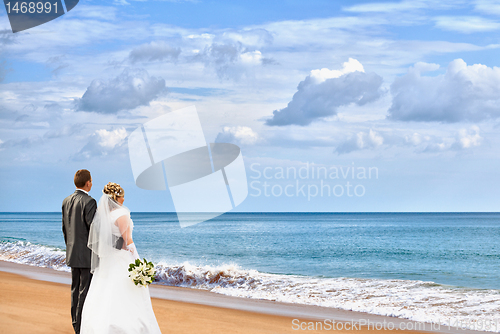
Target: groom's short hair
pixel 81 178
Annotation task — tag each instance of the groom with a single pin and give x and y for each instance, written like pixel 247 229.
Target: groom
pixel 78 210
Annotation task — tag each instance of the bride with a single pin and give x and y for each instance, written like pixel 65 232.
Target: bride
pixel 114 304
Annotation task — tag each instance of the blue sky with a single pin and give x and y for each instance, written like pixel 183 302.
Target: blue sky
pixel 410 88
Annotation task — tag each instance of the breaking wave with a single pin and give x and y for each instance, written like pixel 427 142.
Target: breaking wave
pixel 408 299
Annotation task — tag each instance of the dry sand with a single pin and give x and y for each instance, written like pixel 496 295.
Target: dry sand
pixel 30 306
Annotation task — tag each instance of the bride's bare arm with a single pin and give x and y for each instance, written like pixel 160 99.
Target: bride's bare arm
pixel 123 224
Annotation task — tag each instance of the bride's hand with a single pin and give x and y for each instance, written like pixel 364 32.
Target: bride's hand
pixel 132 249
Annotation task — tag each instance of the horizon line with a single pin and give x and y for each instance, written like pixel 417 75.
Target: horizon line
pixel 251 212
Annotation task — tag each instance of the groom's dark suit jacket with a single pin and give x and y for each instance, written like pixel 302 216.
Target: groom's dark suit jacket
pixel 78 210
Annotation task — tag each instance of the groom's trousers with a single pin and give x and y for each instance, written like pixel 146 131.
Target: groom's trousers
pixel 80 282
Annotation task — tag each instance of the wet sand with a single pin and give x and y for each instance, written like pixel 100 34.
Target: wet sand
pixel 37 300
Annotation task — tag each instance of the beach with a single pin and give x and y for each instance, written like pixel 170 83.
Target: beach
pixel 37 300
pixel 404 269
pixel 41 304
pixel 33 306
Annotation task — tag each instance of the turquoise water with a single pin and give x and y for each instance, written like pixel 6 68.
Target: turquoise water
pixel 432 267
pixel 459 249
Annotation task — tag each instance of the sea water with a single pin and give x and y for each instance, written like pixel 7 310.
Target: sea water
pixel 434 267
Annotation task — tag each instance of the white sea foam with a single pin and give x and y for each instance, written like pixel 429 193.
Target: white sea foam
pixel 34 255
pixel 414 300
pixel 409 299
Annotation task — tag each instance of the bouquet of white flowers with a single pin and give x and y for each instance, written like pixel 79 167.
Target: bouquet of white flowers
pixel 142 272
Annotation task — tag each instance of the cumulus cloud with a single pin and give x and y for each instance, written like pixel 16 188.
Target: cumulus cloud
pixel 463 93
pixel 468 138
pixel 256 37
pixel 414 139
pixel 154 51
pixel 361 140
pixel 231 60
pixel 237 135
pixel 111 139
pixel 103 143
pixel 425 143
pixel 464 139
pixel 130 89
pixel 324 90
pixel 232 54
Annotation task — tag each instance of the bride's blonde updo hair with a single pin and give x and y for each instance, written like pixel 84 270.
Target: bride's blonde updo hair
pixel 113 190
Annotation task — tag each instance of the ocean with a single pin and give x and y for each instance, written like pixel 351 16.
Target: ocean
pixel 432 267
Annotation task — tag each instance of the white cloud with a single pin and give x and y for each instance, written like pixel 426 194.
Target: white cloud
pixel 375 139
pixel 111 139
pixel 421 142
pixel 103 143
pixel 352 65
pixel 130 89
pixel 101 13
pixel 255 38
pixel 233 54
pixel 86 26
pixel 386 7
pixel 299 46
pixel 415 139
pixel 154 51
pixel 418 8
pixel 488 6
pixel 468 138
pixel 323 91
pixel 231 60
pixel 422 67
pixel 251 57
pixel 359 141
pixel 237 135
pixel 202 36
pixel 437 147
pixel 463 139
pixel 466 24
pixel 463 93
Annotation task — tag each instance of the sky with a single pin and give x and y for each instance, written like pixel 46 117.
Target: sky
pixel 337 106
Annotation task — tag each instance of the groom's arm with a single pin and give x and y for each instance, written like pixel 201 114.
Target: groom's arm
pixel 89 212
pixel 63 226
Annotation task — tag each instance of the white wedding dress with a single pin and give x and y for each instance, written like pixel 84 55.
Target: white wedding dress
pixel 114 304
